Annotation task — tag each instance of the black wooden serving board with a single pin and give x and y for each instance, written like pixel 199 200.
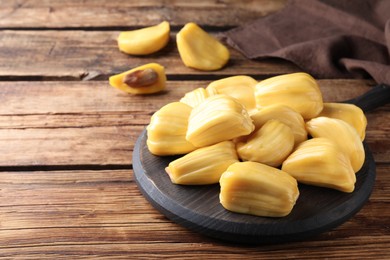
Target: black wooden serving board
pixel 197 207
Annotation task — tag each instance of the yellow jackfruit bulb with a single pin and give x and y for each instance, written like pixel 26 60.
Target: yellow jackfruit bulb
pixel 270 145
pixel 219 118
pixel 167 130
pixel 146 79
pixel 204 165
pixel 258 189
pixel 299 91
pixel 200 50
pixel 195 97
pixel 241 88
pixel 320 162
pixel 144 41
pixel 349 113
pixel 343 134
pixel 284 114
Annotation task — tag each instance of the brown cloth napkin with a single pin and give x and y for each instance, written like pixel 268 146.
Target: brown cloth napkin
pixel 326 38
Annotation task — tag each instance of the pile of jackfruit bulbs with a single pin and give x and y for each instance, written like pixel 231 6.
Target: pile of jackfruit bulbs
pixel 197 48
pixel 258 140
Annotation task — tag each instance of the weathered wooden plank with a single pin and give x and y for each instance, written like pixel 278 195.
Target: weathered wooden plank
pixel 175 242
pixel 116 13
pixel 94 54
pixel 71 97
pixel 102 124
pixel 87 97
pixel 68 146
pixel 54 104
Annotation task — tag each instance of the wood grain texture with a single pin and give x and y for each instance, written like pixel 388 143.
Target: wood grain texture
pixel 116 13
pixel 87 55
pixel 91 145
pixel 60 97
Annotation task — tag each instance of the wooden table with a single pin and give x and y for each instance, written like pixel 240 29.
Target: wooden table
pixel 66 137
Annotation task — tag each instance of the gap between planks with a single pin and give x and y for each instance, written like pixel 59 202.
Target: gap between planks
pixel 80 167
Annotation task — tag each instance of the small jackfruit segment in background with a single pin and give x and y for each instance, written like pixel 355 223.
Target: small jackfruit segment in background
pixel 284 114
pixel 200 50
pixel 343 134
pixel 240 87
pixel 320 162
pixel 219 118
pixel 204 165
pixel 299 91
pixel 146 79
pixel 196 96
pixel 167 129
pixel 144 41
pixel 258 189
pixel 270 145
pixel 349 113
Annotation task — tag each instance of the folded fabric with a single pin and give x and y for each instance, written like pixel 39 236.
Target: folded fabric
pixel 326 38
